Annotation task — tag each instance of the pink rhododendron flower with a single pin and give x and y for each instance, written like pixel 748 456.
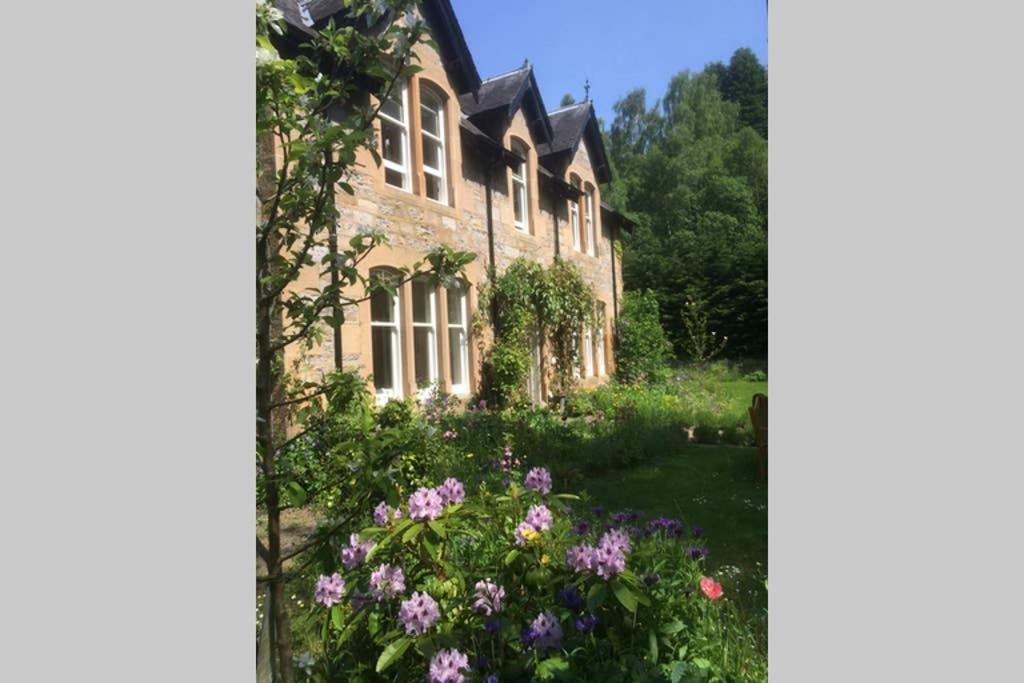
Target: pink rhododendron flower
pixel 539 517
pixel 387 581
pixel 418 614
pixel 425 504
pixel 355 554
pixel 538 479
pixel 451 491
pixel 488 597
pixel 546 631
pixel 579 557
pixel 525 533
pixel 446 667
pixel 329 589
pixel 384 514
pixel 711 588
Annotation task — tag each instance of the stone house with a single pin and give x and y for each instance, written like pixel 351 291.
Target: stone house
pixel 482 166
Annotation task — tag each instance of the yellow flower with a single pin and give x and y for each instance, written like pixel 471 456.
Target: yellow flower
pixel 544 559
pixel 530 535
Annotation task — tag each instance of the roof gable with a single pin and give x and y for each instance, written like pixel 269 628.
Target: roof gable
pixel 305 17
pixel 500 97
pixel 570 126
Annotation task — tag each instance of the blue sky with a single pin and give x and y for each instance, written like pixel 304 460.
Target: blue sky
pixel 617 45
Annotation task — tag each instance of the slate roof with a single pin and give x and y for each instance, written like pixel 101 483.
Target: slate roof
pixel 495 92
pixel 567 125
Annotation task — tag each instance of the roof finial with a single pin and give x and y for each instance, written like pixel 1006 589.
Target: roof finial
pixel 586 89
pixel 526 63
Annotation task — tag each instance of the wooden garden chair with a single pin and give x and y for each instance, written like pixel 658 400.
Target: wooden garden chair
pixel 759 418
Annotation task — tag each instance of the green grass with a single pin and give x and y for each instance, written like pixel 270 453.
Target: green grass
pixel 716 488
pixel 740 392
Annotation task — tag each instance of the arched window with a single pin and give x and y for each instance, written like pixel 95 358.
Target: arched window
pixel 435 161
pixel 589 215
pixel 458 337
pixel 394 137
pixel 424 335
pixel 386 339
pixel 520 191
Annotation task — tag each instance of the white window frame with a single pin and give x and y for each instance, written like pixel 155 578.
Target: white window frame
pixel 405 168
pixel 424 392
pixel 519 174
pixel 461 389
pixel 385 394
pixel 588 352
pixel 440 173
pixel 534 387
pixel 574 221
pixel 591 237
pixel 602 364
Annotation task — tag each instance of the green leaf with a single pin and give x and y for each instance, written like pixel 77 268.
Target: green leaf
pixel 702 663
pixel 511 557
pixel 624 595
pixel 352 626
pixel 596 595
pixel 393 652
pixel 652 642
pixel 678 670
pixel 337 618
pixel 295 494
pixel 672 627
pixel 412 533
pixel 438 528
pixel 566 496
pixel 550 667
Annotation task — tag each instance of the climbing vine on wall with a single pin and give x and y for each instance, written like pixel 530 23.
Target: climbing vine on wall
pixel 528 302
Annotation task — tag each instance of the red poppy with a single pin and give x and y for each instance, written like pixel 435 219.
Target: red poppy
pixel 711 588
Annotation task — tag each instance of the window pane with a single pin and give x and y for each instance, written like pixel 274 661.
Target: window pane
pixel 455 353
pixel 383 363
pixel 382 309
pixel 517 201
pixel 395 178
pixel 422 338
pixel 391 136
pixel 421 292
pixel 455 306
pixel 433 186
pixel 393 105
pixel 428 117
pixel 431 153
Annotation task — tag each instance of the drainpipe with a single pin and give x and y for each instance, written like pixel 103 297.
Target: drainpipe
pixel 615 290
pixel 332 246
pixel 554 212
pixel 492 267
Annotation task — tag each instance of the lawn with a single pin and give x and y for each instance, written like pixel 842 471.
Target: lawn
pixel 716 488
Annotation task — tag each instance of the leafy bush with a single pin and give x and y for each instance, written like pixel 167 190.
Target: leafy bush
pixel 756 376
pixel 515 582
pixel 643 348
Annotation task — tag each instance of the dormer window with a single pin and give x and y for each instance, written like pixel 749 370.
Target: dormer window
pixel 394 137
pixel 435 163
pixel 520 195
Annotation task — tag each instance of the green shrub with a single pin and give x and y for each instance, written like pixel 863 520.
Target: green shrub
pixel 643 348
pixel 653 616
pixel 756 376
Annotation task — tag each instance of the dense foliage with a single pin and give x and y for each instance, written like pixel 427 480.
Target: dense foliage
pixel 643 349
pixel 693 171
pixel 527 304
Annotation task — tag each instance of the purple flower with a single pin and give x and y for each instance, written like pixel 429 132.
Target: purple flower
pixel 671 527
pixel 528 636
pixel 355 554
pixel 582 528
pixel 578 557
pixel 493 627
pixel 525 533
pixel 586 623
pixel 418 613
pixel 451 491
pixel 387 581
pixel 571 598
pixel 697 553
pixel 539 517
pixel 608 561
pixel 383 514
pixel 597 510
pixel 329 589
pixel 547 632
pixel 446 665
pixel 539 479
pixel 488 597
pixel 621 518
pixel 697 531
pixel 617 539
pixel 425 504
pixel 491 679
